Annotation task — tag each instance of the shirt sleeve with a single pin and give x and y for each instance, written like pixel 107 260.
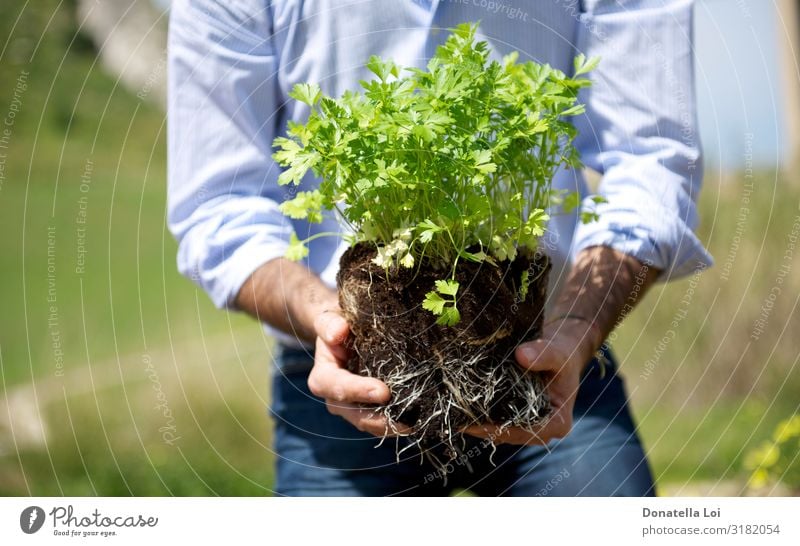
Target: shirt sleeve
pixel 222 113
pixel 640 132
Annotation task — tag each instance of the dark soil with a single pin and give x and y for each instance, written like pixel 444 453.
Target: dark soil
pixel 444 378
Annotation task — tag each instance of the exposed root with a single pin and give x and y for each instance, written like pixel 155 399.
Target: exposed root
pixel 458 392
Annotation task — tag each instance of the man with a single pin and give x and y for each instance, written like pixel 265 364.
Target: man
pixel 231 65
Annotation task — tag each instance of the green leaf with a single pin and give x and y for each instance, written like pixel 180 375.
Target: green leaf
pixel 447 287
pixel 297 249
pixel 540 126
pixel 450 317
pixel 438 119
pixel 363 185
pixel 503 248
pixel 536 223
pixel 306 204
pixel 424 132
pixel 582 66
pixel 307 93
pixel 445 308
pixel 289 176
pixel 429 229
pixel 588 216
pixel 574 111
pixel 303 132
pixel 523 285
pixel 477 257
pixel 482 156
pixel 483 161
pixel 301 163
pixel 570 202
pixel 383 69
pixel 434 303
pixel 288 150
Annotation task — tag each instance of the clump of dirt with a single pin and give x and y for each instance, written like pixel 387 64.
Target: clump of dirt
pixel 444 378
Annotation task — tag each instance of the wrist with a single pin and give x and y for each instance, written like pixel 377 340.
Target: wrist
pixel 312 301
pixel 287 296
pixel 584 333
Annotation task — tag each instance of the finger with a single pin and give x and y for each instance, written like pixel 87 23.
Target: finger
pixel 487 432
pixel 557 425
pixel 540 355
pixel 509 435
pixel 329 380
pixel 339 352
pixel 367 420
pixel 331 326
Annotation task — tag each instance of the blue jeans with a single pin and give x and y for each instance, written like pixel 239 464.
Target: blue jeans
pixel 320 454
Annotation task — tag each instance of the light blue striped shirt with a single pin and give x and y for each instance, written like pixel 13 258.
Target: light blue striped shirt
pixel 232 64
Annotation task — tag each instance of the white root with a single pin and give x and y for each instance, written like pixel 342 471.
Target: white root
pixel 464 392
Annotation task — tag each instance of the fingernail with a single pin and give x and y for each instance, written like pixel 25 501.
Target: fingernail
pixel 334 334
pixel 330 333
pixel 375 395
pixel 529 354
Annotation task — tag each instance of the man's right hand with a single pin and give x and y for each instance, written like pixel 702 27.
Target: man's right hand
pixel 293 299
pixel 342 390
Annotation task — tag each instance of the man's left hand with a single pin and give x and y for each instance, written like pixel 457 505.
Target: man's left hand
pixel 560 354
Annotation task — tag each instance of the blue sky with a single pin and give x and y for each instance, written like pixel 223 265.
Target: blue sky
pixel 738 82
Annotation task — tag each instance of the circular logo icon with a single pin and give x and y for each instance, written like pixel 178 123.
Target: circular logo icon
pixel 31 519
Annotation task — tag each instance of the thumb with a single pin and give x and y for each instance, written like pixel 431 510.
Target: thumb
pixel 538 355
pixel 331 327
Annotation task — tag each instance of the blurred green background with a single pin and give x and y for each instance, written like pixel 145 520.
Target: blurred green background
pixel 119 377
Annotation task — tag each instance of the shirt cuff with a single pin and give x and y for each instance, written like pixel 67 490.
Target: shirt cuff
pixel 664 241
pixel 240 266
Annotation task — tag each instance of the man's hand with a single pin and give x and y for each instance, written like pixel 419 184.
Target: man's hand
pixel 290 297
pixel 603 286
pixel 342 390
pixel 560 354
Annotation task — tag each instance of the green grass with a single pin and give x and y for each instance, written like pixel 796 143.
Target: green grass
pixel 76 125
pixel 706 445
pixel 713 390
pixel 76 121
pixel 195 426
pixel 709 397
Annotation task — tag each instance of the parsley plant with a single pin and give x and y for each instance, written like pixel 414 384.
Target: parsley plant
pixel 438 165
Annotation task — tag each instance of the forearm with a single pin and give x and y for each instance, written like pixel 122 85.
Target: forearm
pixel 287 296
pixel 603 286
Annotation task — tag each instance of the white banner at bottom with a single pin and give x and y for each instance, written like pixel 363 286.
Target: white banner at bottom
pixel 401 521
